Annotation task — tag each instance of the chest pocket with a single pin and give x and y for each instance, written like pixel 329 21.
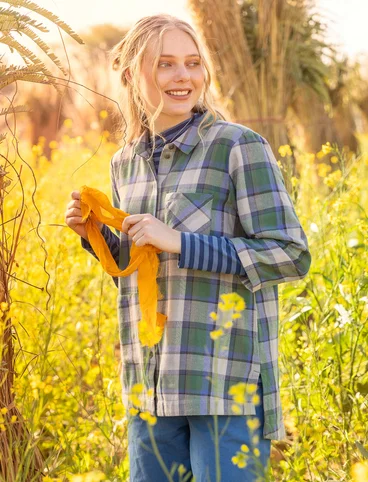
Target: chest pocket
pixel 189 211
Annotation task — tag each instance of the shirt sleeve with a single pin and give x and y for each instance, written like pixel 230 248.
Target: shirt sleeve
pixel 112 239
pixel 275 248
pixel 209 253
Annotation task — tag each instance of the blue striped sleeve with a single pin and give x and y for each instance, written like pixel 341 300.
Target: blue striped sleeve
pixel 209 253
pixel 113 243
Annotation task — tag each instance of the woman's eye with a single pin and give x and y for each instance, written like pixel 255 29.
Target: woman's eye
pixel 167 63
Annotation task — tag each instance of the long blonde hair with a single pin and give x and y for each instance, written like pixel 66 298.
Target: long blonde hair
pixel 129 53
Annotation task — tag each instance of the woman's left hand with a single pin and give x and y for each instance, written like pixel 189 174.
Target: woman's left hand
pixel 146 229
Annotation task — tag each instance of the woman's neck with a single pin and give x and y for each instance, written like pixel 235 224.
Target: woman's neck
pixel 162 125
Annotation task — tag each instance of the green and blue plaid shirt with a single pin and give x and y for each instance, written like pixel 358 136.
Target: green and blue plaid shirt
pixel 228 186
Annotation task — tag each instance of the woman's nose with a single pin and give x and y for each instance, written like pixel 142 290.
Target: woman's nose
pixel 181 73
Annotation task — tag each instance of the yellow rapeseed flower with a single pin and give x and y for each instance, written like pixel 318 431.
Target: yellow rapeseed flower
pixel 4 306
pixel 215 334
pixel 4 410
pixel 150 392
pixel 53 145
pixel 332 179
pixel 134 399
pixel 137 388
pixel 150 419
pixel 255 439
pixel 326 148
pixel 228 324
pixel 285 150
pixel 104 114
pixel 294 181
pixel 37 150
pixel 240 460
pixel 236 409
pixel 244 448
pixel 231 301
pixel 2 427
pixel 323 169
pixel 213 315
pixel 181 469
pixel 253 423
pixel 68 123
pixel 238 392
pixel 251 388
pixel 256 399
pixel 133 411
pixel 13 419
pixel 334 159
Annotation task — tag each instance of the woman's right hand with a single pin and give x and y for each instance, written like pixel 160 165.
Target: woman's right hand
pixel 73 216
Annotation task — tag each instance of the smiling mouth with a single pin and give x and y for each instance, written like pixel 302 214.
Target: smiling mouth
pixel 179 94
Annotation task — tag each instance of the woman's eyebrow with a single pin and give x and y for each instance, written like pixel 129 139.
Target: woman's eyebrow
pixel 173 56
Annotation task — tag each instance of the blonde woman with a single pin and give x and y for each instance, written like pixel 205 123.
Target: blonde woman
pixel 210 195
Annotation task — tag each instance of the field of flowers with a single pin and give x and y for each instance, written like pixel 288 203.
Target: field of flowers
pixel 66 334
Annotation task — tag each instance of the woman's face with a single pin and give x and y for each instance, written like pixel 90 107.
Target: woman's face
pixel 179 70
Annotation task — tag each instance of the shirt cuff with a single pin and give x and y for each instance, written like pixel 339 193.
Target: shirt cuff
pixel 87 245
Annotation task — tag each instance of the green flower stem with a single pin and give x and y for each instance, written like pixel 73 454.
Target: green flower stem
pixel 157 453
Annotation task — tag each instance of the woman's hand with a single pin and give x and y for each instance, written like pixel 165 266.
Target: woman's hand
pixel 146 229
pixel 73 216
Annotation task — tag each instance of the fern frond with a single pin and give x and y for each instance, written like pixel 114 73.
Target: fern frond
pixel 25 53
pixel 37 78
pixel 5 69
pixel 47 14
pixel 19 19
pixel 14 110
pixel 45 48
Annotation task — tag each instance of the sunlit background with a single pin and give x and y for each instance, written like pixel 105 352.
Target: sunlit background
pixel 307 94
pixel 346 19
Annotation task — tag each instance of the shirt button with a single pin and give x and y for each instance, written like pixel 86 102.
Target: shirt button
pixel 171 146
pixel 167 156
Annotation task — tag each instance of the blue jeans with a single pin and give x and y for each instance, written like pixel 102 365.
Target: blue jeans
pixel 187 440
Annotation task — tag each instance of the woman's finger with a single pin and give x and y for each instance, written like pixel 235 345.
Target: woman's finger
pixel 75 195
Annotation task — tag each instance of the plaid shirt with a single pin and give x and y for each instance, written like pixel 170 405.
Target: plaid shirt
pixel 198 251
pixel 227 186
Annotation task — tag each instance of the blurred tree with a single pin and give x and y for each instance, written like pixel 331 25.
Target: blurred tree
pixel 269 57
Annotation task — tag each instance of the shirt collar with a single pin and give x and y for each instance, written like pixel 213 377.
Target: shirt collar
pixel 186 142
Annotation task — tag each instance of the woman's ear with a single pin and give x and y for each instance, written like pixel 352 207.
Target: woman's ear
pixel 128 75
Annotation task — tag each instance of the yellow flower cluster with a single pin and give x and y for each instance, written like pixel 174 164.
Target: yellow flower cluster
pixel 241 458
pixel 136 391
pixel 285 150
pixel 333 179
pixel 150 419
pixel 231 301
pixel 241 389
pixel 93 476
pixel 13 419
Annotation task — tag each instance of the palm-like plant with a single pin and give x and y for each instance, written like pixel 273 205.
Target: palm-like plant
pixel 20 458
pixel 263 52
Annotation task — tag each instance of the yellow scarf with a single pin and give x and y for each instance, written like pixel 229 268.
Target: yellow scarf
pixel 95 205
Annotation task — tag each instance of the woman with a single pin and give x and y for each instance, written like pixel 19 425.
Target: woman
pixel 210 195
